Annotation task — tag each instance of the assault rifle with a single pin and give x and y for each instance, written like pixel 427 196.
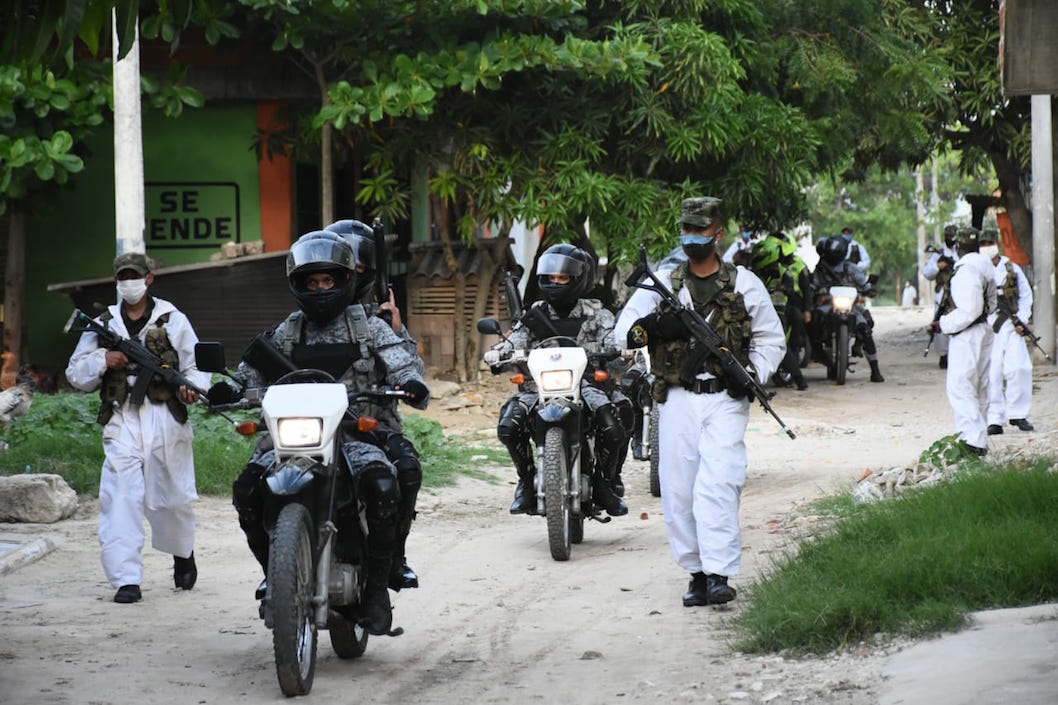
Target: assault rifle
pixel 381 268
pixel 143 363
pixel 706 335
pixel 514 297
pixel 1004 308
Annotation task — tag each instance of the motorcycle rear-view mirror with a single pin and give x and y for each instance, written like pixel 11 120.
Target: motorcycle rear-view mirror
pixel 209 356
pixel 489 326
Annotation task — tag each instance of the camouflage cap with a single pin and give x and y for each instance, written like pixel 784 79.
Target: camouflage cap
pixel 136 261
pixel 989 235
pixel 969 236
pixel 700 212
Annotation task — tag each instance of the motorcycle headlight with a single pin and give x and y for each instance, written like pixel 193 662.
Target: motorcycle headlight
pixel 300 432
pixel 843 303
pixel 556 380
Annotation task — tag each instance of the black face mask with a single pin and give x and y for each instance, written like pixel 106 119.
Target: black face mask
pixel 698 252
pixel 949 243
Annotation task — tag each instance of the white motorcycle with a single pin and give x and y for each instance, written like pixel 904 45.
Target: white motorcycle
pixel 314 518
pixel 561 430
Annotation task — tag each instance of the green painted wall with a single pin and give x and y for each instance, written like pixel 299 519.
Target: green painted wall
pixel 202 190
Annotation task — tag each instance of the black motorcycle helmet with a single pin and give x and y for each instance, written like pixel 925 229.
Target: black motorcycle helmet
pixel 322 251
pixel 361 237
pixel 833 249
pixel 571 261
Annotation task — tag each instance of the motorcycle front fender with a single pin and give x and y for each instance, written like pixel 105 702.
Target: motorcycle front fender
pixel 289 480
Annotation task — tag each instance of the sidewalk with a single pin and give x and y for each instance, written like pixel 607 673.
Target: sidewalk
pixel 1006 656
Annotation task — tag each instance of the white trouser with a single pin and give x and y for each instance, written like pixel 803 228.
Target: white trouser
pixel 702 469
pixel 969 355
pixel 1011 364
pixel 148 471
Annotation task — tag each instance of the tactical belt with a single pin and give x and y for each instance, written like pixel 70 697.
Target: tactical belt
pixel 705 386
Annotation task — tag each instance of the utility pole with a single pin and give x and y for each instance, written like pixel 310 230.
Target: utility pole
pixel 1043 221
pixel 129 208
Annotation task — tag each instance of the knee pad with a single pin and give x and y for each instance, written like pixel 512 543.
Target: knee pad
pixel 627 414
pixel 608 427
pixel 246 494
pixel 511 427
pixel 380 492
pixel 402 453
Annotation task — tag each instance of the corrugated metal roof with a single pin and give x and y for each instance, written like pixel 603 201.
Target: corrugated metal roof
pixel 428 258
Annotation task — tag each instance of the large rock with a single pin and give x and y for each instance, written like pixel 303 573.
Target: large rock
pixel 37 499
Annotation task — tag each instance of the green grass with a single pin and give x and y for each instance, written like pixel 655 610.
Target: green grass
pixel 913 566
pixel 59 435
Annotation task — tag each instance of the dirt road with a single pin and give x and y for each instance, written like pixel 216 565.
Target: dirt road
pixel 496 620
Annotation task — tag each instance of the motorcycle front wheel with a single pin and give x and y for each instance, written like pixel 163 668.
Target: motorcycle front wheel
pixel 292 578
pixel 557 500
pixel 652 439
pixel 842 353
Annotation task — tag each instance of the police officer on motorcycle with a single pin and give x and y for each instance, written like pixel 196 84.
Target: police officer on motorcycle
pixel 399 448
pixel 834 269
pixel 566 273
pixel 330 332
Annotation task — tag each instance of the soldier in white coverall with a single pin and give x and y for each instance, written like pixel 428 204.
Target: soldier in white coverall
pixel 703 415
pixel 973 295
pixel 938 270
pixel 1010 373
pixel 149 468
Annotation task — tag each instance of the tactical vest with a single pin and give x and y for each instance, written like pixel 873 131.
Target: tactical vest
pixel 1009 294
pixel 115 386
pixel 290 334
pixel 679 362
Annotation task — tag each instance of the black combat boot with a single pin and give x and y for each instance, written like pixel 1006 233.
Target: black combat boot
pixel 184 572
pixel 709 589
pixel 603 496
pixel 376 612
pixel 876 374
pixel 525 493
pixel 400 573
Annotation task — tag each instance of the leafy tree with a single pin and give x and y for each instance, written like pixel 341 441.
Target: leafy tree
pixel 974 118
pixel 881 209
pixel 50 100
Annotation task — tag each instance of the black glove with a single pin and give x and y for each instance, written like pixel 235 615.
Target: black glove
pixel 417 391
pixel 736 390
pixel 222 393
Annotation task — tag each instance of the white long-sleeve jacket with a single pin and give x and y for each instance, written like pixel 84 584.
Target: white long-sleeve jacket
pixel 973 289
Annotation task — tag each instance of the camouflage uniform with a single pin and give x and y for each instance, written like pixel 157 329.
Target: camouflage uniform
pixel 387 363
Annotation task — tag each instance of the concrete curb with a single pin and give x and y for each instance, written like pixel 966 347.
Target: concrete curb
pixel 27 552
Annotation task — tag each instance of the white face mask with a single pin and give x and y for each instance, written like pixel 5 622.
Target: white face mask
pixel 132 291
pixel 990 251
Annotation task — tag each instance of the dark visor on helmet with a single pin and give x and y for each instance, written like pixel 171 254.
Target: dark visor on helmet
pixel 556 263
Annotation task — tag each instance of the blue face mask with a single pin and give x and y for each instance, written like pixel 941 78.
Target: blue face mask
pixel 697 247
pixel 848 238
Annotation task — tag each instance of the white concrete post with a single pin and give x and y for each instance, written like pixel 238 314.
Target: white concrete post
pixel 128 150
pixel 1043 222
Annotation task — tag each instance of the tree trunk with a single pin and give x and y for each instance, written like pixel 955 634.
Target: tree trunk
pixel 1013 199
pixel 487 272
pixel 439 209
pixel 15 286
pixel 326 156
